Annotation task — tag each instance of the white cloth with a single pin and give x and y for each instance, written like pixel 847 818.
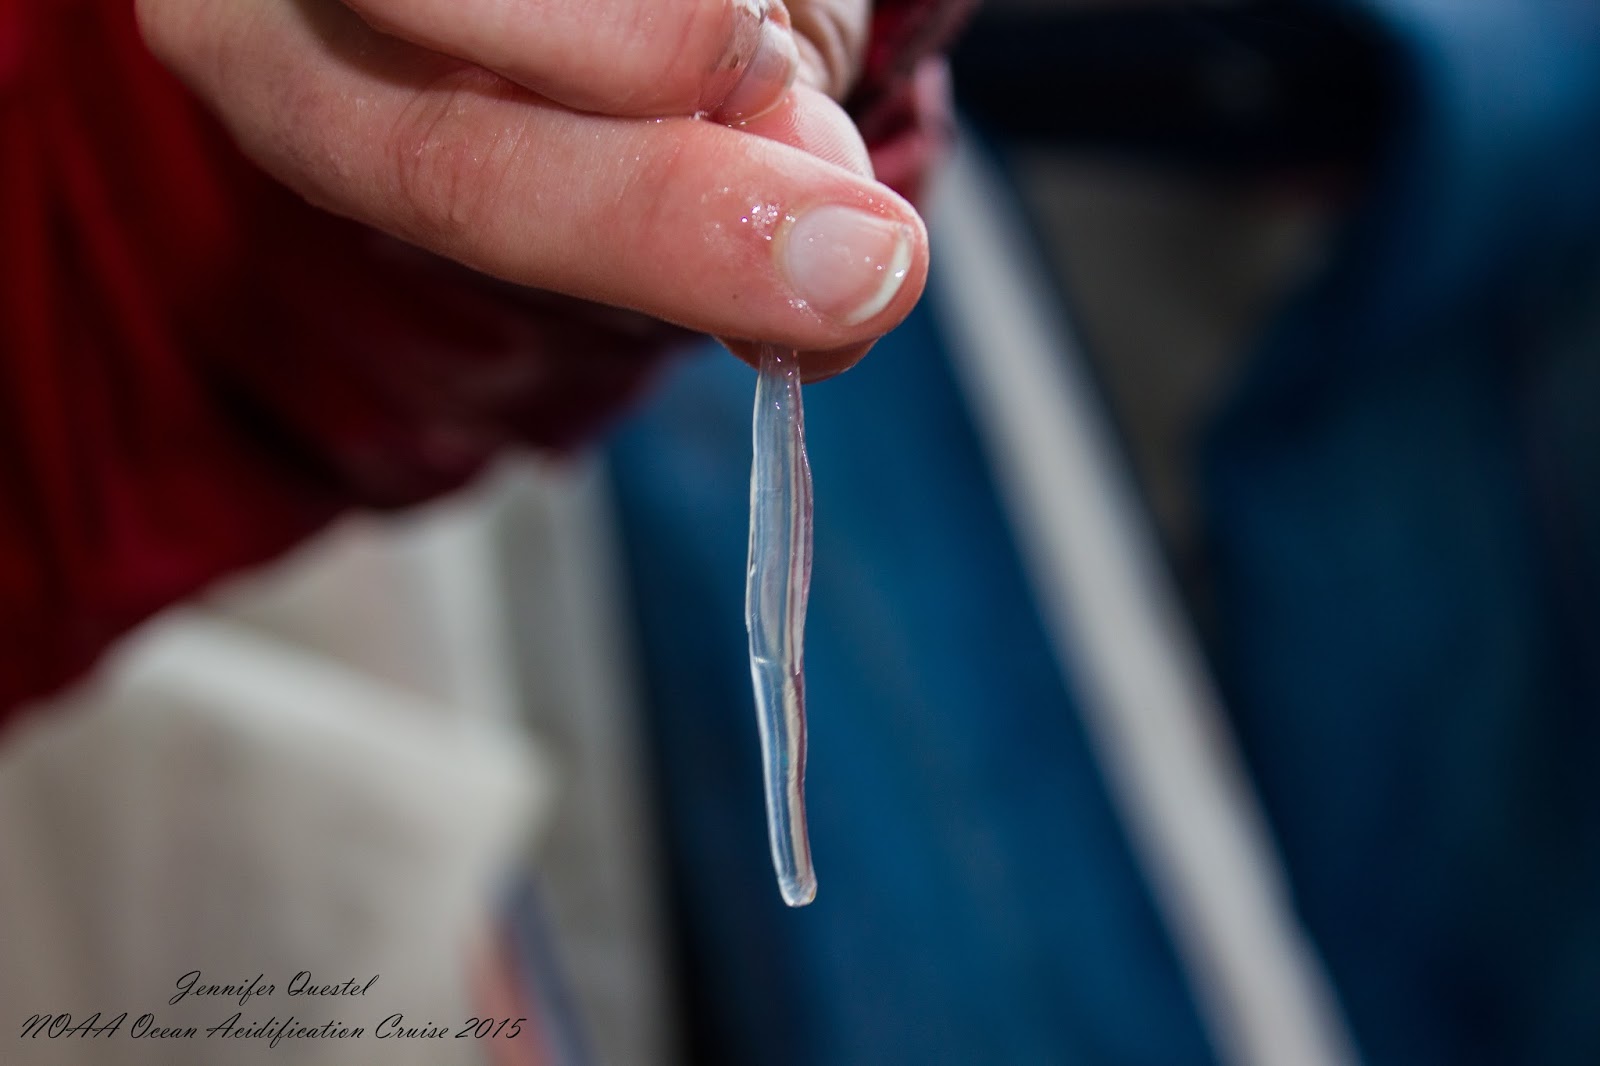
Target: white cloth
pixel 310 777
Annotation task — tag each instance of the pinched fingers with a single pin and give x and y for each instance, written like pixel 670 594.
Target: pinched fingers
pixel 733 58
pixel 686 220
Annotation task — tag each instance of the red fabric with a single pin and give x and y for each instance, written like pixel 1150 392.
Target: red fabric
pixel 198 370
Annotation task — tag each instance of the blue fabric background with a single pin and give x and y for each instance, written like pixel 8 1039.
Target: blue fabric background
pixel 1404 518
pixel 977 902
pixel 1404 497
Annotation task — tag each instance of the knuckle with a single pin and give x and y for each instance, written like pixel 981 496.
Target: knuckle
pixel 148 16
pixel 199 40
pixel 160 24
pixel 448 160
pixel 173 30
pixel 650 192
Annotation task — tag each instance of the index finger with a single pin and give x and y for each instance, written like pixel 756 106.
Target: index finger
pixel 734 58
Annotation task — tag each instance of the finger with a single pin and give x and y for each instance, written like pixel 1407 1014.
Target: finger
pixel 686 220
pixel 617 57
pixel 817 126
pixel 832 38
pixel 814 366
pixel 825 131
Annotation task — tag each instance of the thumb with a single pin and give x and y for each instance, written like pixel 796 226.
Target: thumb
pixel 811 121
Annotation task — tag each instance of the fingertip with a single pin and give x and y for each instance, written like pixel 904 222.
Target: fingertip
pixel 821 366
pixel 814 366
pixel 850 265
pixel 814 123
pixel 762 62
pixel 850 259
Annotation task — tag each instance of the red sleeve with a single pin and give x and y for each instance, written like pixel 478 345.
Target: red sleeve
pixel 197 370
pixel 902 102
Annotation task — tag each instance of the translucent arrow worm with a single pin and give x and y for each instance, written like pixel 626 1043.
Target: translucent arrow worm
pixel 777 584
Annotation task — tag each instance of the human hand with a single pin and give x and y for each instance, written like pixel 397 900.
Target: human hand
pixel 519 145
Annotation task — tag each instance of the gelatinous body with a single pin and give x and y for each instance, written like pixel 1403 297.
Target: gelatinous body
pixel 775 612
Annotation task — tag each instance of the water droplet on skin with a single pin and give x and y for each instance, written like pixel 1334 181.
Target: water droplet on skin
pixel 765 218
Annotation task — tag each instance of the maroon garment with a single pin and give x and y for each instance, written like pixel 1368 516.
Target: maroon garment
pixel 198 370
